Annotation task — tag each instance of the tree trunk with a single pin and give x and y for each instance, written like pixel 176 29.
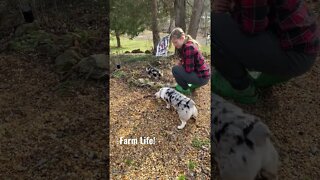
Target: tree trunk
pixel 180 14
pixel 171 26
pixel 155 31
pixel 195 18
pixel 118 39
pixel 205 24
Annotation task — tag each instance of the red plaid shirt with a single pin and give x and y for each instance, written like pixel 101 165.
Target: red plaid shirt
pixel 290 19
pixel 193 61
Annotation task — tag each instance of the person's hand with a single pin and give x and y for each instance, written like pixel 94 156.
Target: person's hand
pixel 222 6
pixel 178 62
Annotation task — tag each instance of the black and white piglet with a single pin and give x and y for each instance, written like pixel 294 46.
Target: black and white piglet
pixel 241 143
pixel 185 106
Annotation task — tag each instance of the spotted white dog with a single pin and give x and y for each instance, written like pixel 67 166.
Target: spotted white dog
pixel 154 72
pixel 185 106
pixel 241 143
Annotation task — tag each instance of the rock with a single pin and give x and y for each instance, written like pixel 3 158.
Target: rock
pixel 314 150
pixel 48 49
pixel 151 84
pixel 26 28
pixel 136 51
pixel 96 65
pixel 142 81
pixel 101 60
pixel 65 41
pixel 66 61
pixel 28 42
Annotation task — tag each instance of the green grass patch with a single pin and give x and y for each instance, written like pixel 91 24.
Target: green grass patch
pixel 182 177
pixel 198 143
pixel 134 58
pixel 119 74
pixel 129 162
pixel 191 165
pixel 131 44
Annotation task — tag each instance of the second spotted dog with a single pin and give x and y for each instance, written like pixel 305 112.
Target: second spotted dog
pixel 154 72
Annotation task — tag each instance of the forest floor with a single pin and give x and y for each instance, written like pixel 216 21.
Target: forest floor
pixel 52 129
pixel 57 133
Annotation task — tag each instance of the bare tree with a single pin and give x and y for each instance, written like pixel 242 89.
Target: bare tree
pixel 195 18
pixel 180 14
pixel 171 25
pixel 118 38
pixel 155 31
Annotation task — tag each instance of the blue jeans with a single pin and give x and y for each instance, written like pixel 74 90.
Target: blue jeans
pixel 183 78
pixel 235 52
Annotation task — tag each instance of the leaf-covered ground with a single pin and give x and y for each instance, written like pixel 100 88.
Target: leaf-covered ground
pixel 132 115
pixel 48 132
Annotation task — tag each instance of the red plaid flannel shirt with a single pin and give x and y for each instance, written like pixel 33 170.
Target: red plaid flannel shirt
pixel 193 61
pixel 290 19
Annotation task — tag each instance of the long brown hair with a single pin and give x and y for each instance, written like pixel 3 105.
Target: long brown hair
pixel 178 33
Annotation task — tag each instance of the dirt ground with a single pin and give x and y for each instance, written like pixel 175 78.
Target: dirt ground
pixel 48 132
pixel 133 115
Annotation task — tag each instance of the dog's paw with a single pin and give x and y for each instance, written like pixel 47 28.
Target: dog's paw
pixel 168 106
pixel 180 127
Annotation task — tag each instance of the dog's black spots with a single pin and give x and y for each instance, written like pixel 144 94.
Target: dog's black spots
pixel 247 130
pixel 249 143
pixel 187 104
pixel 169 93
pixel 222 131
pixel 153 72
pixel 170 98
pixel 239 140
pixel 224 110
pixel 244 159
pixel 179 103
pixel 232 151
